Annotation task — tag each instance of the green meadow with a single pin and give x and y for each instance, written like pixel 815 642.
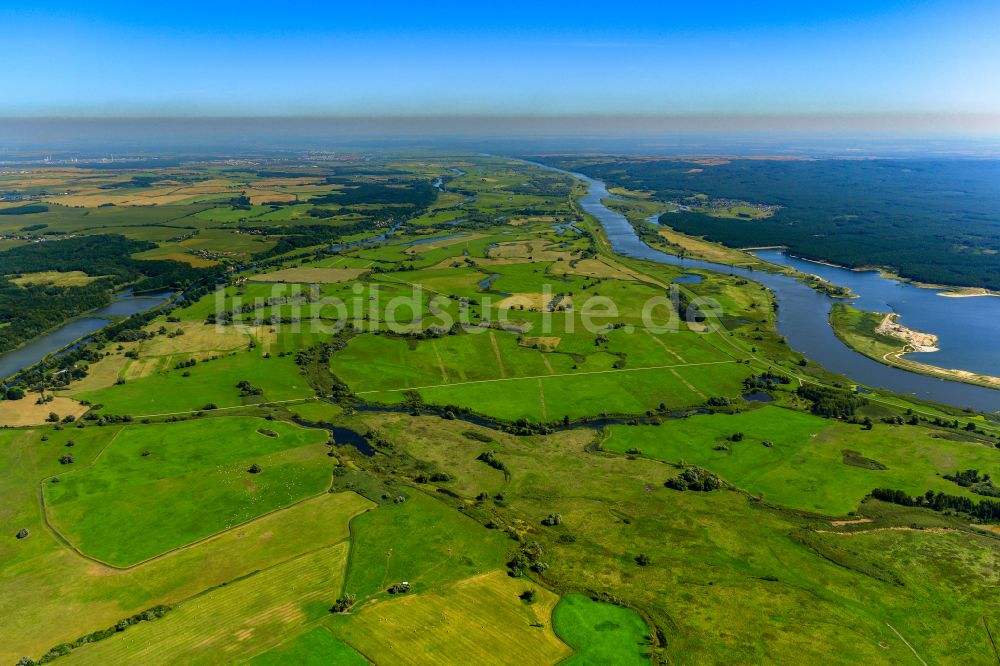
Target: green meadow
pixel 208 383
pixel 600 633
pixel 110 509
pixel 316 647
pixel 273 543
pixel 804 465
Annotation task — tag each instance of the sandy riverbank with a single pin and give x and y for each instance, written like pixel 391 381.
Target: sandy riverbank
pixel 920 342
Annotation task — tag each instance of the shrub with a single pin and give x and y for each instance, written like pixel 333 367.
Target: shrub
pixel 694 478
pixel 343 604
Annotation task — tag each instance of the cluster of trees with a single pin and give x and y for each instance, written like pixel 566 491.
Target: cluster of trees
pixel 528 557
pixel 986 511
pixel 981 484
pixel 343 603
pixel 490 458
pixel 768 381
pixel 63 649
pixel 247 389
pixel 297 236
pixel 694 478
pixel 27 209
pixel 412 195
pixel 831 402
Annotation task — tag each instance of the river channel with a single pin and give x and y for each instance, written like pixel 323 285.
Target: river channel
pixel 803 316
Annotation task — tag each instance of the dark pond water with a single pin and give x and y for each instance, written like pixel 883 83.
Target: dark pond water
pixel 564 227
pixel 758 396
pixel 36 350
pixel 803 316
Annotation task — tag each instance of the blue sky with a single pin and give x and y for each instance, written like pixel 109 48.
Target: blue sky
pixel 516 58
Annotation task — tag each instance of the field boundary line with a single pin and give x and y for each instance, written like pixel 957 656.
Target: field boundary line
pixel 989 634
pixel 564 374
pixel 219 409
pixel 907 644
pixel 186 546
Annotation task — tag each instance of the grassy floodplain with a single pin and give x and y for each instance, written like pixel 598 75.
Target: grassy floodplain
pixel 553 545
pixel 109 509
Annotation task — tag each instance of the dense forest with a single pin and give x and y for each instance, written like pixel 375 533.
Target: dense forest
pixel 30 309
pixel 935 221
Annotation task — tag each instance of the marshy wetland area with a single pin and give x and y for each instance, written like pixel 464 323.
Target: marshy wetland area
pixel 445 408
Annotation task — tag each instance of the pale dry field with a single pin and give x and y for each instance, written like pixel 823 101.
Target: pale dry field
pixel 479 620
pixel 535 250
pixel 66 279
pixel 530 300
pixel 311 275
pixel 25 412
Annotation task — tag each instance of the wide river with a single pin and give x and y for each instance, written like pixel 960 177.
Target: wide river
pixel 803 315
pixel 37 349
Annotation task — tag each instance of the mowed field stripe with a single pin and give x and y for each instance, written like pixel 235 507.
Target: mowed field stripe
pixel 563 374
pixel 688 384
pixel 496 350
pixel 541 397
pixel 664 345
pixel 437 355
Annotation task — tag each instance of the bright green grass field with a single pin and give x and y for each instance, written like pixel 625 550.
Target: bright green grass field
pixel 804 468
pixel 126 507
pixel 214 382
pixel 422 541
pixel 600 633
pixel 314 648
pixel 513 381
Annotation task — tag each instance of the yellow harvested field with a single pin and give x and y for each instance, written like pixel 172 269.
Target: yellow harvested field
pixel 258 197
pixel 452 262
pixel 104 373
pixel 535 250
pixel 531 301
pixel 62 580
pixel 479 620
pixel 590 268
pixel 268 183
pixel 169 254
pixel 232 622
pixel 67 279
pixel 545 343
pixel 706 249
pixel 197 337
pixel 310 275
pixel 25 412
